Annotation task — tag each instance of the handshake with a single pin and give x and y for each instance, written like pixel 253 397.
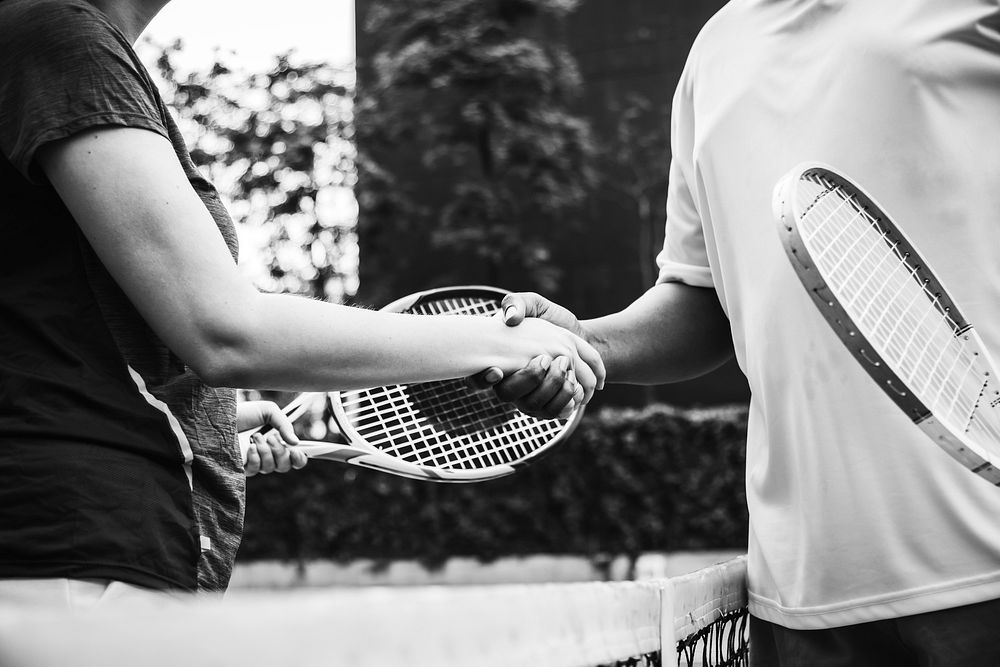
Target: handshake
pixel 547 387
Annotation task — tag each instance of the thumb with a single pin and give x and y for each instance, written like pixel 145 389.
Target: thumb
pixel 519 305
pixel 282 424
pixel 484 379
pixel 287 432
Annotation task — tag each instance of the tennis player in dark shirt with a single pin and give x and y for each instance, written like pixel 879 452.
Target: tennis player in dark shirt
pixel 125 323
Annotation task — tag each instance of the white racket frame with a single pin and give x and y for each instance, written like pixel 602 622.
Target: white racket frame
pixel 359 453
pixel 969 453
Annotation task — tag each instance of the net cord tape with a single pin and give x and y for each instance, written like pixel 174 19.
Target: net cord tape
pixel 555 625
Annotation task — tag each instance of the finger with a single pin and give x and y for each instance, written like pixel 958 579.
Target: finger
pixel 537 401
pixel 515 307
pixel 485 379
pixel 512 309
pixel 587 380
pixel 591 373
pixel 567 410
pixel 575 391
pixel 564 401
pixel 280 454
pixel 524 381
pixel 285 429
pixel 593 359
pixel 252 414
pixel 279 422
pixel 298 458
pixel 264 451
pixel 252 465
pixel 577 402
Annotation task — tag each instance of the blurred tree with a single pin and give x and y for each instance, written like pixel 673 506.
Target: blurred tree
pixel 279 146
pixel 635 169
pixel 469 152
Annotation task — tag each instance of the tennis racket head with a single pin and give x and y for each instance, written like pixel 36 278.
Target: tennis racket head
pixel 891 312
pixel 444 428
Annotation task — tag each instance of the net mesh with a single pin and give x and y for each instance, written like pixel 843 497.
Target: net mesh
pixel 697 619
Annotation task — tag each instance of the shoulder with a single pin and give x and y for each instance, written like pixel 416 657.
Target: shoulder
pixel 19 17
pixel 31 27
pixel 728 25
pixel 728 52
pixel 713 39
pixel 64 43
pixel 67 68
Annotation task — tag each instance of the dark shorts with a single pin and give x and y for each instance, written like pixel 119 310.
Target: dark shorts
pixel 961 637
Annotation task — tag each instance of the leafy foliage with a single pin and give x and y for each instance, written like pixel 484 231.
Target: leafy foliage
pixel 473 95
pixel 279 145
pixel 635 170
pixel 626 482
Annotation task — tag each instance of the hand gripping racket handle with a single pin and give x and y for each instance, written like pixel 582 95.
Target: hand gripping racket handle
pixel 331 451
pixel 310 448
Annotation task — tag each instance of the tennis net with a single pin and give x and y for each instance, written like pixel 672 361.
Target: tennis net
pixel 696 619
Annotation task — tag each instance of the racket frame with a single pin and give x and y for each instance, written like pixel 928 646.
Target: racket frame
pixel 360 453
pixel 960 447
pixel 436 473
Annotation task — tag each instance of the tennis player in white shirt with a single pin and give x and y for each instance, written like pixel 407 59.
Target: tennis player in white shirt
pixel 868 544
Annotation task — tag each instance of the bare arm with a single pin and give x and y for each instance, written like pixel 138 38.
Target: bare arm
pixel 673 332
pixel 128 193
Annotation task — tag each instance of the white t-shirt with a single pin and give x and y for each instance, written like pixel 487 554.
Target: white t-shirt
pixel 855 514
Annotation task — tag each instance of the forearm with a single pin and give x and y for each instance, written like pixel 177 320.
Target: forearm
pixel 288 342
pixel 154 235
pixel 673 332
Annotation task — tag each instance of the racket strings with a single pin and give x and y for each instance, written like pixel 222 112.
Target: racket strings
pixel 892 306
pixel 894 303
pixel 451 433
pixel 456 306
pixel 482 418
pixel 443 424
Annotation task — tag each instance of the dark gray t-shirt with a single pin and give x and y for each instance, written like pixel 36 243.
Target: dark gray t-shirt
pixel 116 461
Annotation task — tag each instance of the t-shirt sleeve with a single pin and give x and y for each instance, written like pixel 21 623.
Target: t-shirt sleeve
pixel 683 257
pixel 66 69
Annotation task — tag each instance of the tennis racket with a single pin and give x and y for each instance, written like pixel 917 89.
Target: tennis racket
pixel 436 431
pixel 893 314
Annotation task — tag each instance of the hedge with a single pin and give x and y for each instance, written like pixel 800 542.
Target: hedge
pixel 627 481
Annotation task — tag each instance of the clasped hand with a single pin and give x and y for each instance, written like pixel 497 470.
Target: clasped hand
pixel 547 387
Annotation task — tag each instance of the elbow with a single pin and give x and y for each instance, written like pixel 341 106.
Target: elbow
pixel 222 368
pixel 215 333
pixel 222 358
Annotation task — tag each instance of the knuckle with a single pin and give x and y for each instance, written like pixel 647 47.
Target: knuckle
pixel 505 393
pixel 531 403
pixel 536 373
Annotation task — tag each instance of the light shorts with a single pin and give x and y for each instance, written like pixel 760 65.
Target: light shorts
pixel 79 595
